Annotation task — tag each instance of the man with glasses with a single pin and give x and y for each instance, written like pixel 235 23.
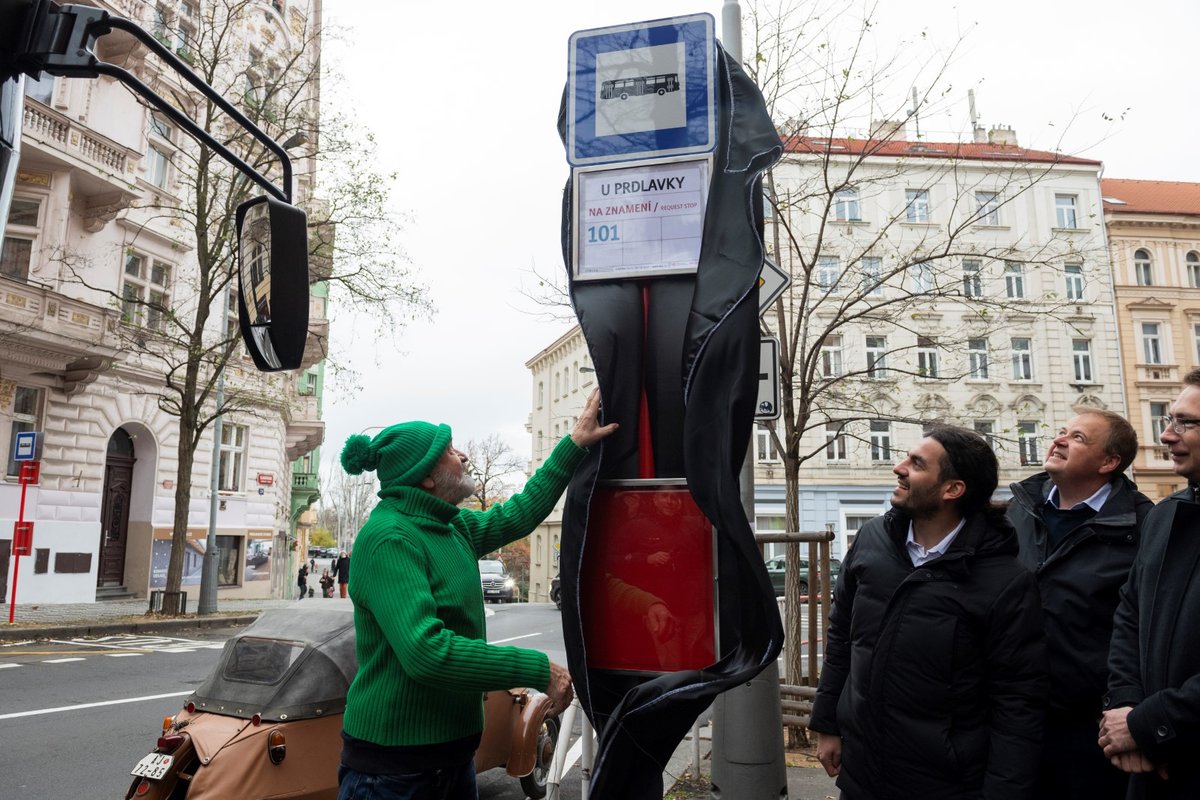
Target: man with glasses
pixel 1151 725
pixel 1077 523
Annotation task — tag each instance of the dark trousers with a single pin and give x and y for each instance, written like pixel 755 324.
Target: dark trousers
pixel 452 783
pixel 1073 766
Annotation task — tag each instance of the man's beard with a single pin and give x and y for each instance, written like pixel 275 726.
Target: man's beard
pixel 921 503
pixel 453 489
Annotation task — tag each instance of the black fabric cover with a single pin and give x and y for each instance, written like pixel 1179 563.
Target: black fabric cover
pixel 700 359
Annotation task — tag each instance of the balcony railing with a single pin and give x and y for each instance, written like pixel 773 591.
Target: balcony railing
pixel 304 481
pixel 78 142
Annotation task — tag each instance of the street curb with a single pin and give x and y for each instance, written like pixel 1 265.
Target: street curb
pixel 95 628
pixel 681 760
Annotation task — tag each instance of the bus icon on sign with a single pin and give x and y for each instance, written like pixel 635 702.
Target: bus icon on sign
pixel 624 88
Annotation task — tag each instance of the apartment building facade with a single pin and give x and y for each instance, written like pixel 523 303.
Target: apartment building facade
pixel 961 283
pixel 563 378
pixel 1154 237
pixel 95 267
pixel 933 282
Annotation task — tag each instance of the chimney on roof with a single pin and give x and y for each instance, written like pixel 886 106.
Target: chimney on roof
pixel 1002 134
pixel 890 129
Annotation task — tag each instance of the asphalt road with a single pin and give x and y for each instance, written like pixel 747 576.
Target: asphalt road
pixel 76 715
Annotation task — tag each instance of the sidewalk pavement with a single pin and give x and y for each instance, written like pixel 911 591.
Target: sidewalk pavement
pixel 806 779
pixel 46 621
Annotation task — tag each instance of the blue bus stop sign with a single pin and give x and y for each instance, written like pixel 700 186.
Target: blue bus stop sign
pixel 26 449
pixel 643 90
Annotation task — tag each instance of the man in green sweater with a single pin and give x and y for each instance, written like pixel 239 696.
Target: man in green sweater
pixel 414 713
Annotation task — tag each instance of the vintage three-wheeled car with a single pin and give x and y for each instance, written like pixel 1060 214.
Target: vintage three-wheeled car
pixel 267 721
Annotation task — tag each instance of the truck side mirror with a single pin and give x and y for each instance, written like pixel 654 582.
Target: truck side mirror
pixel 273 282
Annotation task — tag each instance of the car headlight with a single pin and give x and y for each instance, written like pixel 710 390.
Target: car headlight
pixel 510 583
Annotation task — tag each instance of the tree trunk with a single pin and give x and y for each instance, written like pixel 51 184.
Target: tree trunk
pixel 186 453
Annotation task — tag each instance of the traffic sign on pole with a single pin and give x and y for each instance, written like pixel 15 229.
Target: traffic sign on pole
pixel 768 404
pixel 642 90
pixel 26 446
pixel 772 282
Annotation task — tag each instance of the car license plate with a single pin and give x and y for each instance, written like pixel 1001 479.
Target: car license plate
pixel 153 766
pixel 492 591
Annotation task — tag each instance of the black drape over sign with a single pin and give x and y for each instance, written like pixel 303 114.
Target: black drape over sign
pixel 699 356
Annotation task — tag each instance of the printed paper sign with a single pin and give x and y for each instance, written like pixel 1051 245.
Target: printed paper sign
pixel 641 220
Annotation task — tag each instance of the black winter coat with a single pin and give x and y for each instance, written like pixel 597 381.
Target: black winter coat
pixel 1079 583
pixel 935 676
pixel 1154 661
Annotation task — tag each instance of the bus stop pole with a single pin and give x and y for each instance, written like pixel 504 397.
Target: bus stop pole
pixel 747 749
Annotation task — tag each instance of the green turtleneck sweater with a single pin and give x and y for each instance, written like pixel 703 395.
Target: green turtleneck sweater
pixel 423 658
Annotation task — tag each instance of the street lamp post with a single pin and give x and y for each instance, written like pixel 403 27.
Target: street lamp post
pixel 208 575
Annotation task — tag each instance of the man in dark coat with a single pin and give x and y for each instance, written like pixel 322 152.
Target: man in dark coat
pixel 1151 725
pixel 1077 524
pixel 342 573
pixel 934 682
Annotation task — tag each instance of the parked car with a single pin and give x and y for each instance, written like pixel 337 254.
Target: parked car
pixel 556 592
pixel 495 581
pixel 267 720
pixel 776 569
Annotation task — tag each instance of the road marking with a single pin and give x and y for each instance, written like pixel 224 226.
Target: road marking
pixel 126 641
pixel 178 650
pixel 62 660
pixel 121 655
pixel 6 666
pixel 514 638
pixel 92 705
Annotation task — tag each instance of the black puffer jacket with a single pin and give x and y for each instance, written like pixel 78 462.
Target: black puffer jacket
pixel 1079 584
pixel 1154 661
pixel 935 676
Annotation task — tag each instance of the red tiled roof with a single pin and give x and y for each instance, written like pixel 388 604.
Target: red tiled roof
pixel 896 148
pixel 1150 197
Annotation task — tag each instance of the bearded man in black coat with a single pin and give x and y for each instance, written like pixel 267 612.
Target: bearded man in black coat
pixel 1151 725
pixel 934 684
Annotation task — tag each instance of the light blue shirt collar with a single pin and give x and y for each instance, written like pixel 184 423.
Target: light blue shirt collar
pixel 1095 502
pixel 919 555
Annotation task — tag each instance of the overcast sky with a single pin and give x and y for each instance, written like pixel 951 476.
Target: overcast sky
pixel 463 99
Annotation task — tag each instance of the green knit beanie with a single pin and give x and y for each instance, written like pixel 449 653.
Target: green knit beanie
pixel 403 454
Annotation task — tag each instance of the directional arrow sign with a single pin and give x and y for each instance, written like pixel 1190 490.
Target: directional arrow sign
pixel 768 380
pixel 771 283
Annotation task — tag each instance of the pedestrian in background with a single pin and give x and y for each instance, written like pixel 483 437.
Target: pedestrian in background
pixel 342 573
pixel 326 584
pixel 414 712
pixel 934 682
pixel 1151 725
pixel 1078 525
pixel 302 580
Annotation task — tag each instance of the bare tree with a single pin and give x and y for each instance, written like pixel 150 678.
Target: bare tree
pixel 491 461
pixel 346 502
pixel 175 328
pixel 888 310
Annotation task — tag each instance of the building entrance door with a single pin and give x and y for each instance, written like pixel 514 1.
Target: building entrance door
pixel 114 511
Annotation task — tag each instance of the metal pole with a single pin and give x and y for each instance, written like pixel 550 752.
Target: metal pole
pixel 747 743
pixel 747 746
pixel 208 575
pixel 731 29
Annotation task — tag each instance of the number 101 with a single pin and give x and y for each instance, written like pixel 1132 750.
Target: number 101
pixel 602 233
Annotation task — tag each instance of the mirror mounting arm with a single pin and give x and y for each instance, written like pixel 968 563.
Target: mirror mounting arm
pixel 61 40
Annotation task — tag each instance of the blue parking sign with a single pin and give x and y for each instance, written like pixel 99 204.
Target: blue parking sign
pixel 642 90
pixel 26 449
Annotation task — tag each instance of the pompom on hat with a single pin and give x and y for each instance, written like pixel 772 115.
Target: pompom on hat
pixel 403 454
